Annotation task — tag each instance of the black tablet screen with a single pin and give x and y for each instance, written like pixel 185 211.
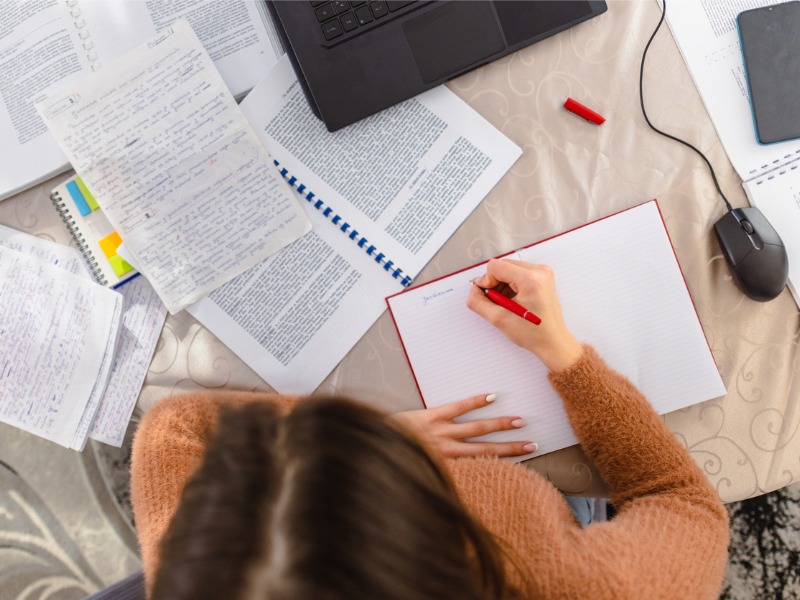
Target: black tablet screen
pixel 770 38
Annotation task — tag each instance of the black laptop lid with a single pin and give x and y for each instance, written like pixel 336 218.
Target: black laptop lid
pixel 362 74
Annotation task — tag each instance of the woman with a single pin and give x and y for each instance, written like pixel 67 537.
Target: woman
pixel 240 495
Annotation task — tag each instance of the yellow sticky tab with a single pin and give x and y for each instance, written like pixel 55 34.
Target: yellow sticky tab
pixel 110 243
pixel 119 265
pixel 87 194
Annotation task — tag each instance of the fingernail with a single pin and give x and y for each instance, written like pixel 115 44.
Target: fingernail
pixel 491 397
pixel 518 423
pixel 530 448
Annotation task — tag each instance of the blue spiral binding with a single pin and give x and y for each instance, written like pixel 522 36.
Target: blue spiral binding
pixel 335 219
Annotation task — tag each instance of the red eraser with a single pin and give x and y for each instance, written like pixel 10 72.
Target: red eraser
pixel 584 111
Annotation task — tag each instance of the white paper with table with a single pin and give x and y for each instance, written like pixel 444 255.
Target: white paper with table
pixel 175 166
pixel 707 36
pixel 403 179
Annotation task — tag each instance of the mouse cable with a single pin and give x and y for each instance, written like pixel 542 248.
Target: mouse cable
pixel 656 129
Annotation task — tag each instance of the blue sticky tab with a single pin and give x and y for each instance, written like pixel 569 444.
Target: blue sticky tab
pixel 78 199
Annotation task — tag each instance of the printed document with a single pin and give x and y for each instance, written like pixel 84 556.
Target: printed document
pixel 403 179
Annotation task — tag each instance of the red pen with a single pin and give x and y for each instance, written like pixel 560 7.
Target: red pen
pixel 584 111
pixel 509 304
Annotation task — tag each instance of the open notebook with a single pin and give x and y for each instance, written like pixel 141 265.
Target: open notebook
pixel 621 290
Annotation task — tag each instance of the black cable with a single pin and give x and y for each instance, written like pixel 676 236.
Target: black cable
pixel 656 129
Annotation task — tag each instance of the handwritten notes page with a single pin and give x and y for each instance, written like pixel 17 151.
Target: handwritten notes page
pixel 142 322
pixel 175 166
pixel 59 334
pixel 621 290
pixel 143 317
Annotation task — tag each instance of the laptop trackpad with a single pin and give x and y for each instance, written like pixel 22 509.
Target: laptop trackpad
pixel 452 37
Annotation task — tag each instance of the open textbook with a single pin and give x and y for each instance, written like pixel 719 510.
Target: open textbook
pixel 383 194
pixel 708 38
pixel 175 166
pixel 60 331
pixel 44 42
pixel 633 307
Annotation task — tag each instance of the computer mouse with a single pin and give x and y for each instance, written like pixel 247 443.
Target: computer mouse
pixel 754 252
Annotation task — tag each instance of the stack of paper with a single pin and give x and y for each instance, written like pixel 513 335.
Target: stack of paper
pixel 142 318
pixel 59 335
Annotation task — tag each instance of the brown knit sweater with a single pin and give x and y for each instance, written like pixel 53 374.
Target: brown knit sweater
pixel 668 540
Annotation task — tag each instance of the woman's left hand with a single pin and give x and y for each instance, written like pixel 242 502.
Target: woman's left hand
pixel 439 431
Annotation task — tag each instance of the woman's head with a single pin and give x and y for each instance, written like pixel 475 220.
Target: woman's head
pixel 328 501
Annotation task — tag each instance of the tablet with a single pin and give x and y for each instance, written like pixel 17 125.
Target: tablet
pixel 770 40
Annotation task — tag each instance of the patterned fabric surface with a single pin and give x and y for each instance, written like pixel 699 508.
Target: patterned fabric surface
pixel 63 533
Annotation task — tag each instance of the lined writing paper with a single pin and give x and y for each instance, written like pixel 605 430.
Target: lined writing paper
pixel 621 290
pixel 175 166
pixel 59 333
pixel 142 319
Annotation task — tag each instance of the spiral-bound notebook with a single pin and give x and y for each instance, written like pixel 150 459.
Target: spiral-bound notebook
pixel 92 232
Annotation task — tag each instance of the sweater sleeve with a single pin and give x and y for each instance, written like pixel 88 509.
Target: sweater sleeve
pixel 635 452
pixel 168 447
pixel 669 537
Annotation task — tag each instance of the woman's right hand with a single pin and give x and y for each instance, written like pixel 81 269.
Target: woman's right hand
pixel 534 288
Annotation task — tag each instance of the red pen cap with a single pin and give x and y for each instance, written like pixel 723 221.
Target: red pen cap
pixel 584 111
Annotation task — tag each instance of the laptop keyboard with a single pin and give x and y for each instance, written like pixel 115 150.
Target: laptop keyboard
pixel 340 20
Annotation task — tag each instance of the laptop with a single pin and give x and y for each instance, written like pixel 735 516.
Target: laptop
pixel 356 58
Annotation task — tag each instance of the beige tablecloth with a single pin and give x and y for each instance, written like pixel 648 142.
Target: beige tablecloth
pixel 571 172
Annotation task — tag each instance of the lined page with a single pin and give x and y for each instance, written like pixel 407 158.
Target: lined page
pixel 59 332
pixel 621 290
pixel 175 166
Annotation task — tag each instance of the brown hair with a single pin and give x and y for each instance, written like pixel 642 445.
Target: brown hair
pixel 329 501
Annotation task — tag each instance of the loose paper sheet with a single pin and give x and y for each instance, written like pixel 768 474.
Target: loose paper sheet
pixel 175 166
pixel 143 316
pixel 59 335
pixel 621 290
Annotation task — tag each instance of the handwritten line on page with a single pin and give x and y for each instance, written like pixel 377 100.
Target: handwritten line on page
pixel 60 332
pixel 621 290
pixel 175 166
